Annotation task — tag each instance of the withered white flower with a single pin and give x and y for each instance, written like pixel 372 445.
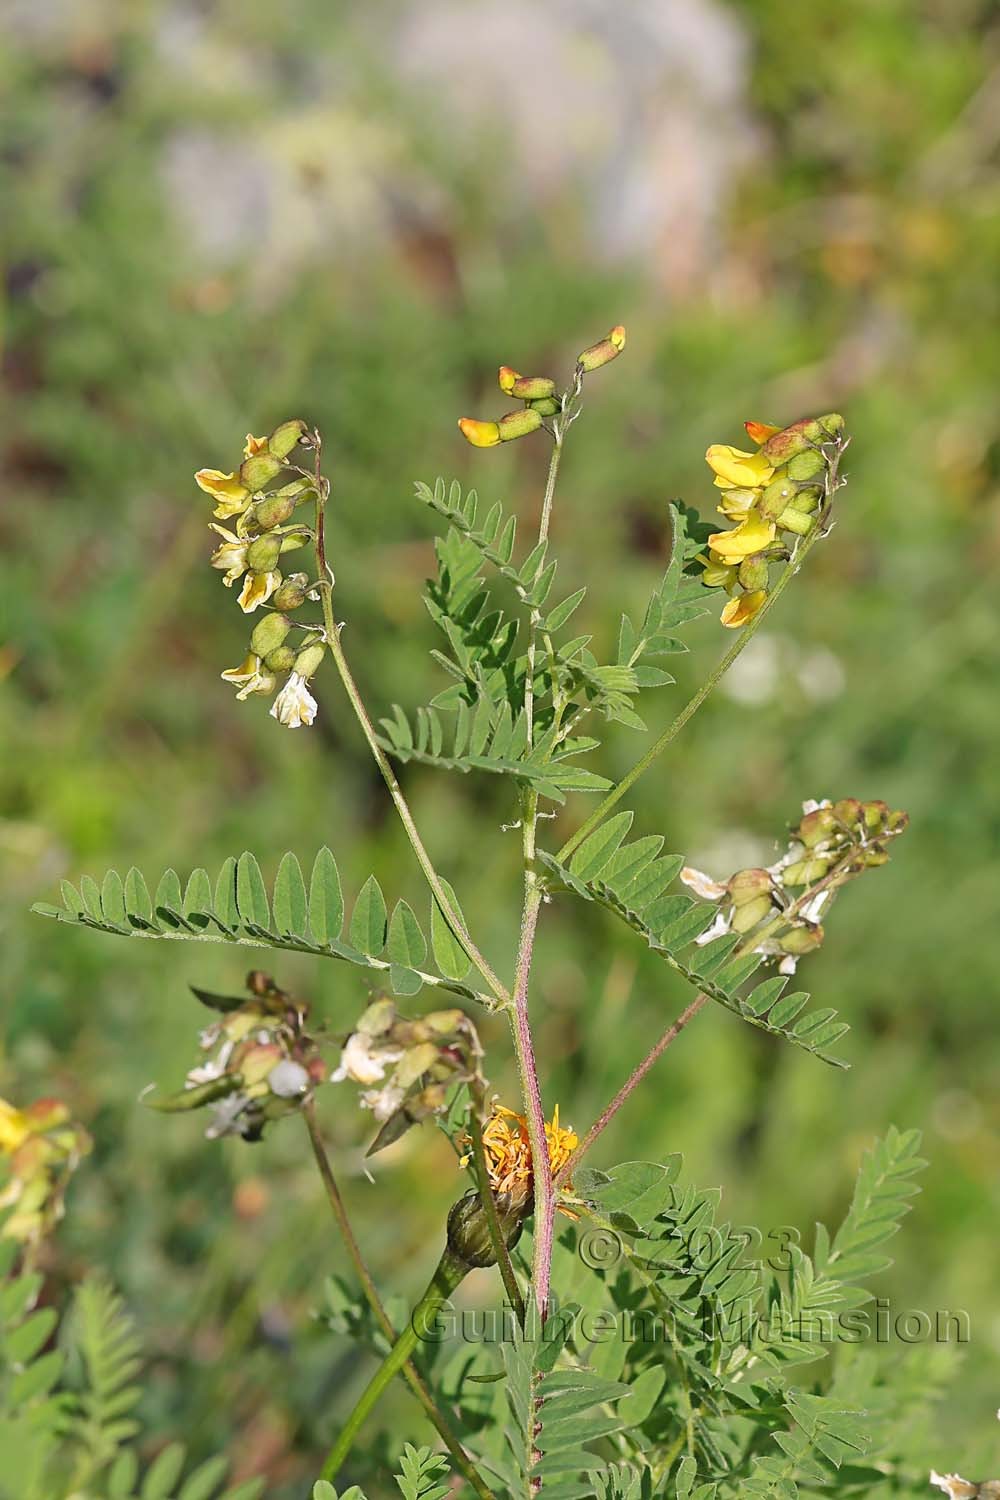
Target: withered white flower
pixel 230 557
pixel 257 589
pixel 702 885
pixel 295 704
pixel 954 1486
pixel 364 1059
pixel 249 677
pixel 383 1102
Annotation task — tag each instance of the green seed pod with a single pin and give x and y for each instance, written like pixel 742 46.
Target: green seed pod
pixel 274 511
pixel 805 871
pixel 797 521
pixel 546 407
pixel 263 554
pixel 875 814
pixel 202 1093
pixel 532 387
pixel 469 1232
pixel 807 499
pixel 284 438
pixel 282 659
pixel 292 593
pixel 518 424
pixel 268 633
pixel 746 917
pixel 258 471
pixel 816 826
pixel 806 465
pixel 780 493
pixel 378 1018
pixel 307 662
pixel 753 573
pixel 802 940
pixel 444 1022
pixel 749 885
pixel 415 1063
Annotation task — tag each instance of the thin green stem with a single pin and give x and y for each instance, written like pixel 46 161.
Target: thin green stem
pixel 409 1371
pixel 497 1238
pixel 446 1278
pixel 332 633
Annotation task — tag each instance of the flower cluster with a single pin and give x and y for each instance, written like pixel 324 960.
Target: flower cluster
pixel 538 394
pixel 405 1068
pixel 778 909
pixel 779 488
pixel 42 1150
pixel 260 500
pixel 263 1065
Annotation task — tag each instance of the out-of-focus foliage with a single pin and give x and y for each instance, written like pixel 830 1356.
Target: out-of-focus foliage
pixel 219 215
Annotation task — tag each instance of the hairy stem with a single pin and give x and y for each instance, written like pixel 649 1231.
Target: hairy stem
pixel 332 632
pixel 497 1238
pixel 446 1278
pixel 409 1371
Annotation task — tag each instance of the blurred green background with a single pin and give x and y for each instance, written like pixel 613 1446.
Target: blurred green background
pixel 222 214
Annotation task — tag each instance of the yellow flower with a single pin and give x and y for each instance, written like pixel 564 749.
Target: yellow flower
pixel 232 496
pixel 508 1151
pixel 752 535
pixel 254 445
pixel 717 575
pixel 15 1127
pixel 479 434
pixel 257 589
pixel 231 557
pixel 735 505
pixel 739 611
pixel 732 467
pixel 249 677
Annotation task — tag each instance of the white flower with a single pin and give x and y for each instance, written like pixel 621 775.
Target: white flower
pixel 812 804
pixel 702 885
pixel 257 589
pixel 721 924
pixel 383 1102
pixel 225 1117
pixel 954 1486
pixel 364 1060
pixel 231 557
pixel 249 677
pixel 295 704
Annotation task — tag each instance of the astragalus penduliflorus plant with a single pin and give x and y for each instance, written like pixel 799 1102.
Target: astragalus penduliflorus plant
pixel 673 1367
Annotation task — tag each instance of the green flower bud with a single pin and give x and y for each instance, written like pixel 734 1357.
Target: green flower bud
pixel 874 814
pixel 746 917
pixel 806 465
pixel 307 662
pixel 274 511
pixel 802 940
pixel 848 812
pixel 293 542
pixel 807 499
pixel 753 573
pixel 281 659
pixel 292 592
pixel 263 554
pixel 897 821
pixel 518 424
pixel 797 521
pixel 749 885
pixel 201 1093
pixel 603 352
pixel 875 857
pixel 378 1018
pixel 832 423
pixel 805 871
pixel 284 438
pixel 258 471
pixel 547 407
pixel 469 1232
pixel 816 826
pixel 780 493
pixel 268 633
pixel 532 387
pixel 415 1063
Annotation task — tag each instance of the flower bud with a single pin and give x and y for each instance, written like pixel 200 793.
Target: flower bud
pixel 307 662
pixel 284 438
pixel 791 440
pixel 257 1061
pixel 805 871
pixel 897 821
pixel 281 659
pixel 801 940
pixel 532 387
pixel 806 499
pixel 778 495
pixel 753 573
pixel 268 633
pixel 517 424
pixel 816 826
pixel 717 575
pixel 796 521
pixel 874 814
pixel 848 812
pixel 444 1022
pixel 875 857
pixel 263 554
pixel 416 1061
pixel 603 352
pixel 377 1018
pixel 508 378
pixel 547 407
pixel 274 511
pixel 806 465
pixel 479 434
pixel 469 1231
pixel 748 885
pixel 746 917
pixel 292 592
pixel 759 432
pixel 258 471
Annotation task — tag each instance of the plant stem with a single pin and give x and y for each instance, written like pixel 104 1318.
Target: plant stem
pixel 332 632
pixel 604 1119
pixel 694 703
pixel 497 1238
pixel 446 1278
pixel 409 1371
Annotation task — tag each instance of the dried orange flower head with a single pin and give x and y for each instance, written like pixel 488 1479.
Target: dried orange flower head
pixel 508 1151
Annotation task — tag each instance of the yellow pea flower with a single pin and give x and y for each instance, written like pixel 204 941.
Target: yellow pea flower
pixel 717 574
pixel 232 496
pixel 732 467
pixel 752 535
pixel 257 589
pixel 735 504
pixel 254 445
pixel 480 434
pixel 15 1127
pixel 739 611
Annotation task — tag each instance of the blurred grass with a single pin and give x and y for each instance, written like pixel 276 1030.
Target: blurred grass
pixel 854 268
